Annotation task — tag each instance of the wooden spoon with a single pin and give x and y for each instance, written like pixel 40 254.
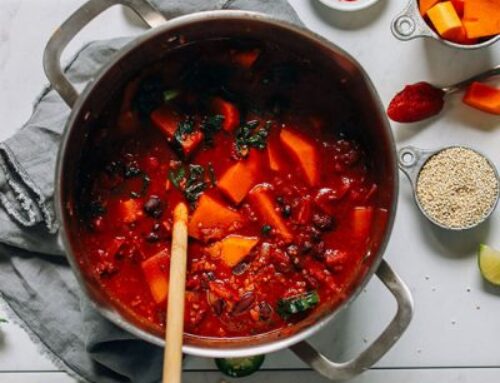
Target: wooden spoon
pixel 172 358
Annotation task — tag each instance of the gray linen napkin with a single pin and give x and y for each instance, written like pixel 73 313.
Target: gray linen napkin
pixel 36 283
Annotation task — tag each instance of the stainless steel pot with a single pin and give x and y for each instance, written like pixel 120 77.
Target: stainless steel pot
pixel 148 48
pixel 409 25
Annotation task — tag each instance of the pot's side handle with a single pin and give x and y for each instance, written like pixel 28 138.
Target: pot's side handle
pixel 74 24
pixel 399 324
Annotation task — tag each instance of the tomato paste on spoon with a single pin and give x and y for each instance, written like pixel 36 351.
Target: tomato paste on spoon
pixel 416 102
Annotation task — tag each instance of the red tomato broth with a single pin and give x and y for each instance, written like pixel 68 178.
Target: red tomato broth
pixel 326 261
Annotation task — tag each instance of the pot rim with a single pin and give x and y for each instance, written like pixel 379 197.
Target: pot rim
pixel 223 351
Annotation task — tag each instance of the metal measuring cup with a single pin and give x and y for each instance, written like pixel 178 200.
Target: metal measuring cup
pixel 411 160
pixel 409 24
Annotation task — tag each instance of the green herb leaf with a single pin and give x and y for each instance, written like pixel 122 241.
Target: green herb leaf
pixel 266 229
pixel 176 178
pixel 184 128
pixel 3 320
pixel 195 184
pixel 250 136
pixel 170 94
pixel 210 126
pixel 297 304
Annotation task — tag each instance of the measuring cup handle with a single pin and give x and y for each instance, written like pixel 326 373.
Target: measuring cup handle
pixel 411 160
pixel 409 24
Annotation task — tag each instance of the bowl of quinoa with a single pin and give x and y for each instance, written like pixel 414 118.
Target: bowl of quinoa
pixel 457 188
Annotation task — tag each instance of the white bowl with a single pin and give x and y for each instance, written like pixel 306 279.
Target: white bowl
pixel 348 6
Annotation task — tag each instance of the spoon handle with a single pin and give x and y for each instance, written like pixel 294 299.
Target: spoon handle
pixel 172 362
pixel 495 71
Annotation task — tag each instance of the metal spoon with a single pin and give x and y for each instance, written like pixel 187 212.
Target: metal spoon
pixel 495 71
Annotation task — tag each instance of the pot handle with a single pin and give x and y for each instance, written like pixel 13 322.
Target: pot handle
pixel 346 370
pixel 74 24
pixel 409 24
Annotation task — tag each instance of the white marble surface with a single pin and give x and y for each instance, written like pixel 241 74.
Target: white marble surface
pixel 454 335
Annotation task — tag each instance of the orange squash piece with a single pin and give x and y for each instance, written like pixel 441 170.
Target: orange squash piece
pixel 246 59
pixel 482 18
pixel 229 111
pixel 232 249
pixel 166 119
pixel 445 19
pixel 483 97
pixel 240 178
pixel 276 163
pixel 156 271
pixel 304 152
pixel 425 5
pixel 212 219
pixel 260 198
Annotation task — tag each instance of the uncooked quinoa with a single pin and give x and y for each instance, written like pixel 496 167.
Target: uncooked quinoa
pixel 457 187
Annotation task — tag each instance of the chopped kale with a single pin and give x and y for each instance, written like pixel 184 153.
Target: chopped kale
pixel 131 171
pixel 195 184
pixel 249 135
pixel 195 181
pixel 297 304
pixel 176 178
pixel 184 128
pixel 170 94
pixel 266 229
pixel 210 126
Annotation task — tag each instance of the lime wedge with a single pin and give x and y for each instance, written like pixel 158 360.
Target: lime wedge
pixel 489 264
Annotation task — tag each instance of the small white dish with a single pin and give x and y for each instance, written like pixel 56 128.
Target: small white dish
pixel 348 6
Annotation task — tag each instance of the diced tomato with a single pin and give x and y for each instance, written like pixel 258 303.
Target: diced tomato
pixel 156 272
pixel 229 111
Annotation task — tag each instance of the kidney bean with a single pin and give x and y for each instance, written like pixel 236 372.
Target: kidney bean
pixel 265 310
pixel 244 303
pixel 323 222
pixel 154 207
pixel 240 268
pixel 292 250
pixel 219 306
